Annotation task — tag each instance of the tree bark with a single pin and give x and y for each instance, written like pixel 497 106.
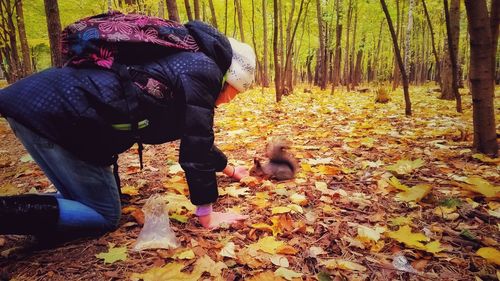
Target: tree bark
pixel 453 51
pixel 239 12
pixel 196 5
pixel 434 52
pixel 347 81
pixel 482 42
pixel 448 74
pixel 23 38
pixel 277 68
pixel 399 59
pixel 288 63
pixel 214 13
pixel 54 29
pixel 265 59
pixel 188 10
pixel 173 12
pixel 338 47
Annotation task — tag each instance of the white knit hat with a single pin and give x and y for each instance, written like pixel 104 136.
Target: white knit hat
pixel 241 73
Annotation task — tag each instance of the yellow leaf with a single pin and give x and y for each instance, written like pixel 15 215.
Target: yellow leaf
pixel 179 187
pixel 410 239
pixel 295 208
pixel 397 184
pixel 171 271
pixel 206 264
pixel 267 244
pixel 298 199
pixel 397 221
pixel 446 213
pixel 228 250
pixel 266 276
pixel 174 169
pixel 287 273
pixel 404 167
pixel 415 193
pixel 482 186
pixel 343 264
pixel 433 247
pixel 286 250
pixel 178 202
pixel 485 158
pixel 490 254
pixel 328 170
pixel 130 190
pixel 366 234
pixel 280 210
pixel 186 255
pixel 280 260
pixel 179 218
pixel 235 191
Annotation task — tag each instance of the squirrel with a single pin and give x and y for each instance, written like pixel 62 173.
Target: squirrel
pixel 281 165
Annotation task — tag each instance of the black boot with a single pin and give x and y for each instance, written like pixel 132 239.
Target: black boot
pixel 28 214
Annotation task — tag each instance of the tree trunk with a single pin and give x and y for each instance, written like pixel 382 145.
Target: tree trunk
pixel 396 74
pixel 54 29
pixel 409 27
pixel 453 47
pixel 353 52
pixel 448 74
pixel 482 42
pixel 434 52
pixel 347 81
pixel 214 16
pixel 399 59
pixel 24 40
pixel 161 9
pixel 338 47
pixel 288 62
pixel 188 10
pixel 376 63
pixel 239 12
pixel 173 12
pixel 277 68
pixel 265 59
pixel 258 77
pixel 196 4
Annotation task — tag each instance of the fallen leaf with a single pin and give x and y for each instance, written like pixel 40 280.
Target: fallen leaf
pixel 490 254
pixel 171 271
pixel 113 254
pixel 404 167
pixel 186 255
pixel 343 264
pixel 228 250
pixel 130 190
pixel 287 273
pixel 280 260
pixel 415 193
pixel 267 244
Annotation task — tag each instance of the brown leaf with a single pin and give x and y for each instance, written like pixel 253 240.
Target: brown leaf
pixel 420 264
pixel 138 216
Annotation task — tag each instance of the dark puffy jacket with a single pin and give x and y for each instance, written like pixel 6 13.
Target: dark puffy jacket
pixel 74 107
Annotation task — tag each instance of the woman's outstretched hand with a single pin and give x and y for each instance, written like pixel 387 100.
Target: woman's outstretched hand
pixel 217 219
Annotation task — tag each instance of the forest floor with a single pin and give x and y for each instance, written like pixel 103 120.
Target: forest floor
pixel 379 196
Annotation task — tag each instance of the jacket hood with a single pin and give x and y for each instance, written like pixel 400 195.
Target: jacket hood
pixel 212 43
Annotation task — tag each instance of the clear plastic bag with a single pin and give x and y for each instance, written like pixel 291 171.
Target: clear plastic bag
pixel 156 232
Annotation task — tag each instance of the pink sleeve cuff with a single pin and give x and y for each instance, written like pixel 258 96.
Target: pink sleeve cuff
pixel 203 210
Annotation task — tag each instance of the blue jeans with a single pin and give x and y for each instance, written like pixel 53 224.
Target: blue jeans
pixel 88 195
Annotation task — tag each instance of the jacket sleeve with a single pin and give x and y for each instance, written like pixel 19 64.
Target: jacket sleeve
pixel 198 156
